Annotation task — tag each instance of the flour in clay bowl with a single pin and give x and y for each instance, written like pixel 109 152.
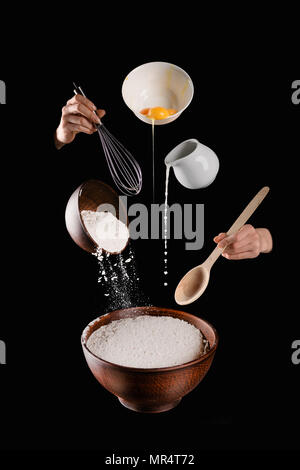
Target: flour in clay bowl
pixel 148 342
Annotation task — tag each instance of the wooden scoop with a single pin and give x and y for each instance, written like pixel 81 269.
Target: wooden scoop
pixel 194 283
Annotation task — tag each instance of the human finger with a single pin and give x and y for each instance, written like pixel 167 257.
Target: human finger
pixel 225 241
pixel 219 237
pixel 79 108
pixel 83 100
pixel 252 240
pixel 81 120
pixel 236 248
pixel 100 113
pixel 243 255
pixel 246 231
pixel 79 128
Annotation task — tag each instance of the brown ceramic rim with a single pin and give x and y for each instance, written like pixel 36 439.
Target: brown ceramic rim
pixel 211 351
pixel 80 217
pixel 81 187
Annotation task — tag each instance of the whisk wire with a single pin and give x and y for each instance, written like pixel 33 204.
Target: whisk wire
pixel 115 168
pixel 114 163
pixel 119 148
pixel 124 169
pixel 118 159
pixel 113 147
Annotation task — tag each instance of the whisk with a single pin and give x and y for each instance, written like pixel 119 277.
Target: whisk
pixel 125 170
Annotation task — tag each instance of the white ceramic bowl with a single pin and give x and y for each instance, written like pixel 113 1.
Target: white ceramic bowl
pixel 157 84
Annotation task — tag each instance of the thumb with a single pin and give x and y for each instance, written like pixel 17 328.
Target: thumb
pixel 227 240
pixel 100 113
pixel 219 237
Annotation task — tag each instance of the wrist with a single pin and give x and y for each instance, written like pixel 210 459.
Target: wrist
pixel 57 141
pixel 265 238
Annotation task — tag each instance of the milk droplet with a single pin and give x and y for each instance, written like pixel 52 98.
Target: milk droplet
pixel 166 222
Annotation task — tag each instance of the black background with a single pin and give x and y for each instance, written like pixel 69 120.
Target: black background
pixel 242 109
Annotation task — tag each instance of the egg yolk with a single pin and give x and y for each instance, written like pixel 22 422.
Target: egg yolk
pixel 158 112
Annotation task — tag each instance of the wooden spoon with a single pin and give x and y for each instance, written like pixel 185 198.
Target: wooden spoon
pixel 194 283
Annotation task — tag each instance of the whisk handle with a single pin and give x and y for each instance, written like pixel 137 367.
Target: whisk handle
pixel 78 91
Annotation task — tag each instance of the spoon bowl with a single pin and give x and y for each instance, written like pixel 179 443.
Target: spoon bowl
pixel 192 285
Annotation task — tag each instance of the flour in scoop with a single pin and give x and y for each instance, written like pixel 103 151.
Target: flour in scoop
pixel 107 231
pixel 148 342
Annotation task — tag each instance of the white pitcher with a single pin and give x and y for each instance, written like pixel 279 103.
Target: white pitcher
pixel 195 165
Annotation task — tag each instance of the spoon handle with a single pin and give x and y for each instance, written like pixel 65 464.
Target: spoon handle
pixel 240 221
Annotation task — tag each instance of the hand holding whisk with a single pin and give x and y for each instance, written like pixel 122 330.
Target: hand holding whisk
pixel 125 170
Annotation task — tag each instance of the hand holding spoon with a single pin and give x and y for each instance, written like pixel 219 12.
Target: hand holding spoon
pixel 194 283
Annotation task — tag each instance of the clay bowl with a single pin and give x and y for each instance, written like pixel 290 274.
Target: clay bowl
pixel 89 196
pixel 150 390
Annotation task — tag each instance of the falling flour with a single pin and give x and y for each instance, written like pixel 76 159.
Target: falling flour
pixel 147 342
pixel 109 233
pixel 118 278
